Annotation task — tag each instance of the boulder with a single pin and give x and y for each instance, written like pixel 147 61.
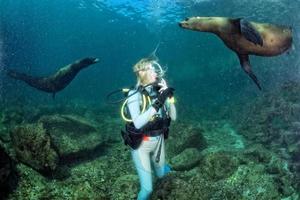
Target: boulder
pixel 186 160
pixel 33 147
pixel 125 187
pixel 8 177
pixel 218 165
pixel 183 136
pixel 72 136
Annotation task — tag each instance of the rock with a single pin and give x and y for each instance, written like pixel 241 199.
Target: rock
pixel 173 187
pixel 251 182
pixel 12 116
pixel 4 134
pixel 70 123
pixel 8 177
pixel 256 153
pixel 219 165
pixel 290 137
pixel 183 136
pixel 295 111
pixel 186 160
pixel 296 127
pixel 125 187
pixel 220 176
pixel 73 136
pixel 33 147
pixel 222 136
pixel 274 121
pixel 294 150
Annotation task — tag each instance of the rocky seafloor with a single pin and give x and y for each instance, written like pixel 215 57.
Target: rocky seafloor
pixel 77 153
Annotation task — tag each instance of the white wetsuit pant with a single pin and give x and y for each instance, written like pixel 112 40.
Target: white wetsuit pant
pixel 145 157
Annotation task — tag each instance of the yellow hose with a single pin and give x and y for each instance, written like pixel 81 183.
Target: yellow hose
pixel 143 109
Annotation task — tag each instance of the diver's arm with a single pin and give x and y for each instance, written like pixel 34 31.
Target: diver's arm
pixel 139 119
pixel 171 109
pixel 169 103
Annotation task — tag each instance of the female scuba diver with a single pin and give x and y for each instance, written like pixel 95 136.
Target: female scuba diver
pixel 149 125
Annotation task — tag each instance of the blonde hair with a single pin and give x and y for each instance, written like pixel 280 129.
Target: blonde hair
pixel 143 64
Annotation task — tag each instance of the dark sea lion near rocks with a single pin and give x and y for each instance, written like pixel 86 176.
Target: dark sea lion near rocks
pixel 244 38
pixel 56 82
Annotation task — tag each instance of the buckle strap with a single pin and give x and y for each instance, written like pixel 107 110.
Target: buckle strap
pixel 154 133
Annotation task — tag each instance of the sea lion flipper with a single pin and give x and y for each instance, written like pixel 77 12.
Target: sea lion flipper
pixel 245 64
pixel 21 76
pixel 249 32
pixel 13 74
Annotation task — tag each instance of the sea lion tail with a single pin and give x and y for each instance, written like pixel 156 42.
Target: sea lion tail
pixel 245 64
pixel 250 33
pixel 16 75
pixel 30 80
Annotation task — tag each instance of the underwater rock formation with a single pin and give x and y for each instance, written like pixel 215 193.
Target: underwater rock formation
pixel 8 177
pixel 125 187
pixel 218 165
pixel 273 120
pixel 183 136
pixel 210 160
pixel 12 116
pixel 175 186
pixel 33 147
pixel 74 137
pixel 186 160
pixel 229 175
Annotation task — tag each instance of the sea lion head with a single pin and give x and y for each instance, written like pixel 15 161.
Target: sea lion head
pixel 89 61
pixel 205 24
pixel 85 62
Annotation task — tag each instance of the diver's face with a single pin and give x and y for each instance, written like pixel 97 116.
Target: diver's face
pixel 148 75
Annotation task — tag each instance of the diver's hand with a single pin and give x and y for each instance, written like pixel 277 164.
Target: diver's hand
pixel 163 85
pixel 161 97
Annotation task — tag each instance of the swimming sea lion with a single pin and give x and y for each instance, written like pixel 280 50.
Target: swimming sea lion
pixel 244 38
pixel 56 82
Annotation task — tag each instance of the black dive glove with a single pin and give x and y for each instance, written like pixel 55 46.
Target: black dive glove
pixel 161 98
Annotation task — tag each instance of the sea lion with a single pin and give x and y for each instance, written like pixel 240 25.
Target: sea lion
pixel 56 82
pixel 244 38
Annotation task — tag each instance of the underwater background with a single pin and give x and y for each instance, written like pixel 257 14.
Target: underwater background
pixel 231 140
